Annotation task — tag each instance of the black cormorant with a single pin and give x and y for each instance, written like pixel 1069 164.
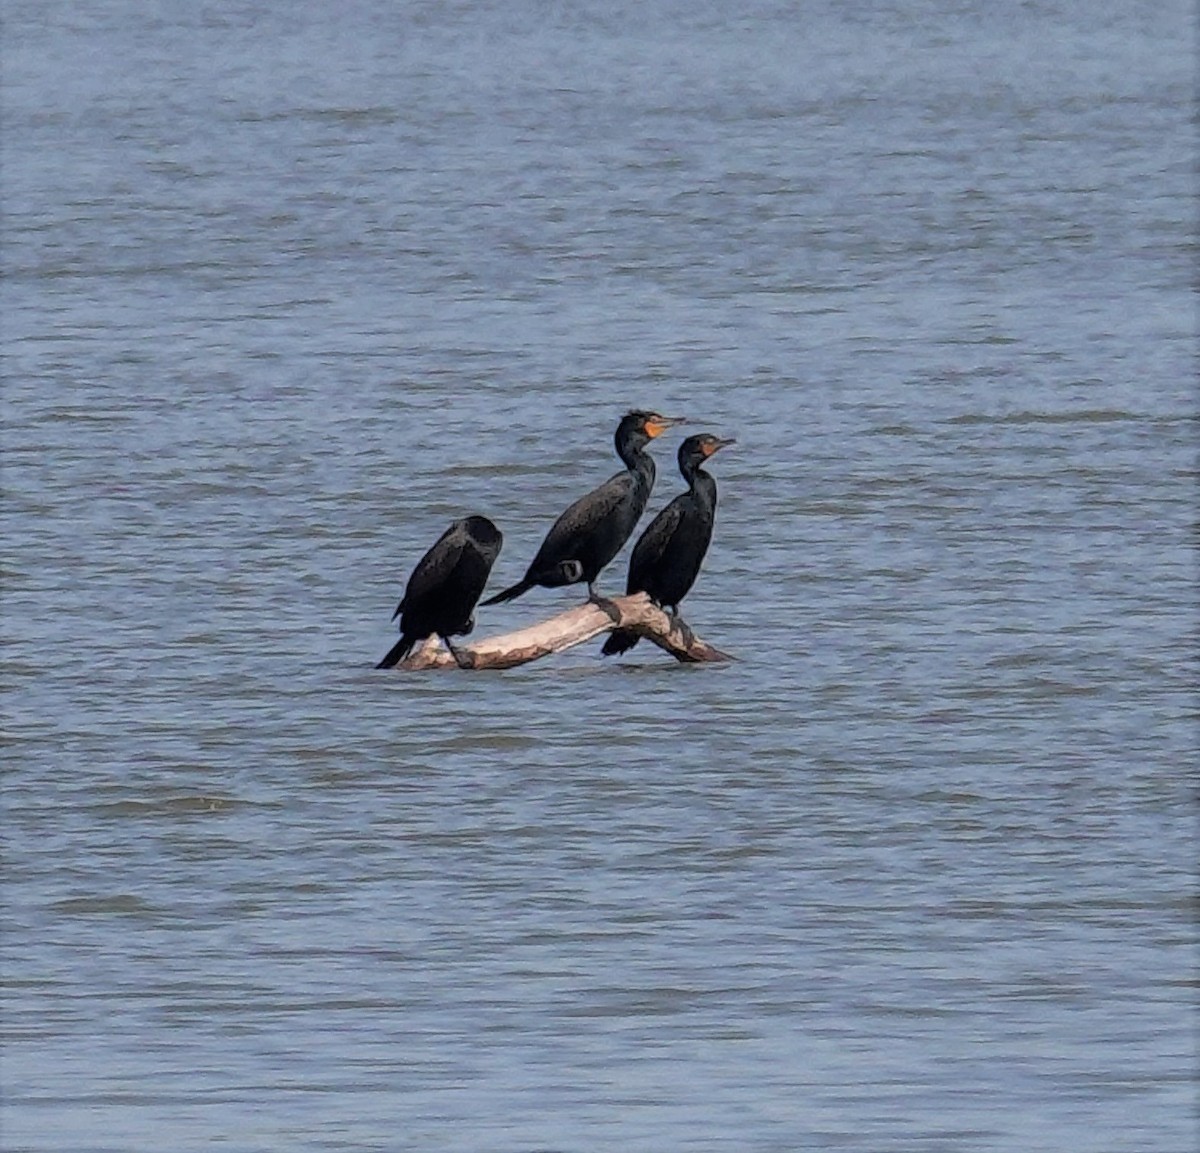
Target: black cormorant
pixel 591 532
pixel 667 556
pixel 445 587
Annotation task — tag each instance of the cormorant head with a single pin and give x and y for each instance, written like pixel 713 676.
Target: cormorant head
pixel 639 427
pixel 695 450
pixel 481 530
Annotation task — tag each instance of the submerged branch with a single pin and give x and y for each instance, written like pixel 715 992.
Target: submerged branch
pixel 633 613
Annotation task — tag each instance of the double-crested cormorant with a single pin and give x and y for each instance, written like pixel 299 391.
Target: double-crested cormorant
pixel 445 587
pixel 667 556
pixel 591 532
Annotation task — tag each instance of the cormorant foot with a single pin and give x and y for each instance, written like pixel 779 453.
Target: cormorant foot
pixel 462 659
pixel 602 602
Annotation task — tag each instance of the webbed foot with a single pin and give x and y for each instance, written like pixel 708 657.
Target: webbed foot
pixel 462 659
pixel 603 603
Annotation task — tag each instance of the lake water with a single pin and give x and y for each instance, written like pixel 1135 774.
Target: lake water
pixel 286 290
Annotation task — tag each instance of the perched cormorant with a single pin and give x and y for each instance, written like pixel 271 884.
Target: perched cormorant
pixel 667 556
pixel 445 587
pixel 591 532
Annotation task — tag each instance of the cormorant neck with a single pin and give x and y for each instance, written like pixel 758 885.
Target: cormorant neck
pixel 643 467
pixel 700 482
pixel 633 453
pixel 692 471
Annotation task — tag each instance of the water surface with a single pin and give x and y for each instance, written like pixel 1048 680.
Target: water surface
pixel 287 291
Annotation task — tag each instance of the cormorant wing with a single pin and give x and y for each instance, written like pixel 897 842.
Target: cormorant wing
pixel 434 567
pixel 580 518
pixel 654 541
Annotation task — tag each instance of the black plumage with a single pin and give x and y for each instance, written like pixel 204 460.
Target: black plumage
pixel 667 557
pixel 592 530
pixel 445 587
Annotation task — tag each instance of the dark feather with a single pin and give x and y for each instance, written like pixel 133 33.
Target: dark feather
pixel 446 584
pixel 667 557
pixel 592 530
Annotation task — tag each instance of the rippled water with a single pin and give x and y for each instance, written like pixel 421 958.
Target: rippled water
pixel 285 292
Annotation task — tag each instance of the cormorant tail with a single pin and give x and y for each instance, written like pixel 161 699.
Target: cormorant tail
pixel 619 641
pixel 510 594
pixel 396 653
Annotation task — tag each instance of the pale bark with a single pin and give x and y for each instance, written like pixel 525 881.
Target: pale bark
pixel 573 627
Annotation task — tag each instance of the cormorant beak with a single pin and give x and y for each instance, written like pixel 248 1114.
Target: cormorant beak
pixel 657 425
pixel 716 444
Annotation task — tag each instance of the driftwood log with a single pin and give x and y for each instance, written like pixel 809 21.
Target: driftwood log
pixel 570 628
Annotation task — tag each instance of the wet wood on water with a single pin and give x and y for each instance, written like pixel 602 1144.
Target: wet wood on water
pixel 570 628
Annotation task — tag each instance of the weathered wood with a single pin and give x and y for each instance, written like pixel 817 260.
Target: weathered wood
pixel 570 628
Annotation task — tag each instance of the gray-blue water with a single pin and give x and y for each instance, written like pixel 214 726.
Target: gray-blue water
pixel 289 286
